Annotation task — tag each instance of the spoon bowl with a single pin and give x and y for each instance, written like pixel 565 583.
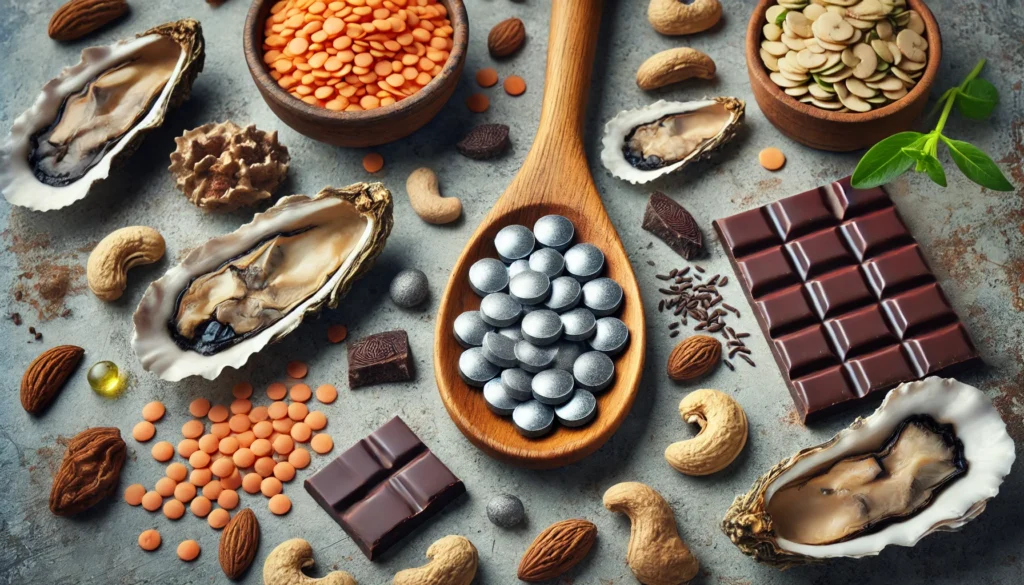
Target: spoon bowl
pixel 554 179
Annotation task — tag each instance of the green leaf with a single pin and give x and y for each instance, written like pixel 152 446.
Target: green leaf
pixel 976 165
pixel 781 18
pixel 977 99
pixel 884 161
pixel 928 164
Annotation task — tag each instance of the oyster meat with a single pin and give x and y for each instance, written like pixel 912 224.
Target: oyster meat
pixel 928 459
pixel 95 114
pixel 644 144
pixel 237 293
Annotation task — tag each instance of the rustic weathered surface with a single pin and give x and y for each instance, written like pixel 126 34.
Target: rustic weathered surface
pixel 974 240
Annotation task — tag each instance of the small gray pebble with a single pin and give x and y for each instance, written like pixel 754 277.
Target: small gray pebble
pixel 505 511
pixel 409 288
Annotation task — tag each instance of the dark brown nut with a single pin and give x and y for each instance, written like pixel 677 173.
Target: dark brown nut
pixel 78 18
pixel 89 472
pixel 556 550
pixel 693 357
pixel 46 375
pixel 506 37
pixel 485 141
pixel 238 544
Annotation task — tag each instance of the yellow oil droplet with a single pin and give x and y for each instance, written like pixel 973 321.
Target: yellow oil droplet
pixel 106 380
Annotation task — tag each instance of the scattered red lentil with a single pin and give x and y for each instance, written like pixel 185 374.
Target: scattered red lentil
pixel 486 77
pixel 372 163
pixel 514 85
pixel 337 333
pixel 478 103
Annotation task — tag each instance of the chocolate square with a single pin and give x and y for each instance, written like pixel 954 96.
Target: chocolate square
pixel 799 214
pixel 839 291
pixel 872 234
pixel 380 358
pixel 898 270
pixel 819 253
pixel 879 371
pixel 871 314
pixel 384 487
pixel 786 310
pixel 918 309
pixel 766 271
pixel 859 332
pixel 746 232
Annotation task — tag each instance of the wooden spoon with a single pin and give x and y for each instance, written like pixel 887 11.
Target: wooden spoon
pixel 555 179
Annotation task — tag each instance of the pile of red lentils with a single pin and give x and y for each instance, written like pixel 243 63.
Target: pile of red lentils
pixel 225 448
pixel 355 55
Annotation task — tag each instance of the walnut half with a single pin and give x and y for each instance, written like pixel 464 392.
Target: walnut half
pixel 221 167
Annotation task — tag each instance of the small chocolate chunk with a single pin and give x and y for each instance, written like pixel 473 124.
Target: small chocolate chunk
pixel 674 225
pixel 485 141
pixel 380 358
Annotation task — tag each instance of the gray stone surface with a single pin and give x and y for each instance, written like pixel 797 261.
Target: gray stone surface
pixel 972 237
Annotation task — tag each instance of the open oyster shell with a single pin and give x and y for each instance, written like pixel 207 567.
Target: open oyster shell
pixel 643 144
pixel 237 293
pixel 94 115
pixel 940 476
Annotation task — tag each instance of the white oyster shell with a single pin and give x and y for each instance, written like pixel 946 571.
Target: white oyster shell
pixel 619 127
pixel 988 450
pixel 152 339
pixel 19 184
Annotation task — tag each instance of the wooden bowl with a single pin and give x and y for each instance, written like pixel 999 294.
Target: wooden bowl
pixel 828 130
pixel 356 129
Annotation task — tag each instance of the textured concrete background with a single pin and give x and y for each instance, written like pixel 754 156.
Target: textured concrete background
pixel 972 237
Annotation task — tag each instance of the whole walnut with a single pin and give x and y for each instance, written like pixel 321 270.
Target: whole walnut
pixel 221 167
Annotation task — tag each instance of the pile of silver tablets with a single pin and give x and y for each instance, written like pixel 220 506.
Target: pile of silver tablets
pixel 541 342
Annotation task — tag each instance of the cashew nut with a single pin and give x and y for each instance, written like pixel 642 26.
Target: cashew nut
pixel 285 563
pixel 723 433
pixel 426 200
pixel 452 562
pixel 673 17
pixel 656 555
pixel 673 66
pixel 123 249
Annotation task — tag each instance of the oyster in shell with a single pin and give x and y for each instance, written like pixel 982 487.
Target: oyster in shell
pixel 94 115
pixel 928 459
pixel 641 145
pixel 239 292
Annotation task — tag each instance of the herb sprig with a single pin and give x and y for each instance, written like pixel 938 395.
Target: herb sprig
pixel 975 99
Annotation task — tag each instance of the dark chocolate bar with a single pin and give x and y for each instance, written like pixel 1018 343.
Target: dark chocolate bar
pixel 384 487
pixel 675 226
pixel 380 358
pixel 844 296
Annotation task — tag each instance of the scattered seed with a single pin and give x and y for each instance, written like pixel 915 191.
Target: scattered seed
pixel 486 77
pixel 729 365
pixel 478 103
pixel 337 333
pixel 771 158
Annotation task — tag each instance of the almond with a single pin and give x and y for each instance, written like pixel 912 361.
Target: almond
pixel 556 550
pixel 46 375
pixel 89 472
pixel 78 18
pixel 506 37
pixel 694 357
pixel 238 543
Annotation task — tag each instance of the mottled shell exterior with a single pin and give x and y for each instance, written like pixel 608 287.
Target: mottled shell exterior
pixel 17 181
pixel 151 339
pixel 221 166
pixel 988 449
pixel 619 127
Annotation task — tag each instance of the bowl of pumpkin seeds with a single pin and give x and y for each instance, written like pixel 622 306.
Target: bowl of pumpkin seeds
pixel 842 61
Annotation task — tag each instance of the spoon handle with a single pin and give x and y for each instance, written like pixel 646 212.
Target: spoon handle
pixel 571 46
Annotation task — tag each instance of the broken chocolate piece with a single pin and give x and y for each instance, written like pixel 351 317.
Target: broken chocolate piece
pixel 674 225
pixel 380 358
pixel 485 141
pixel 384 487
